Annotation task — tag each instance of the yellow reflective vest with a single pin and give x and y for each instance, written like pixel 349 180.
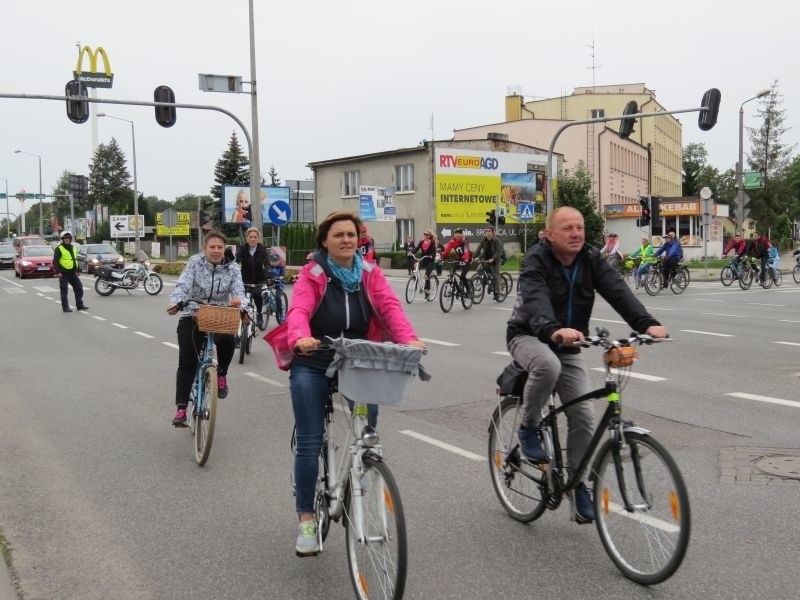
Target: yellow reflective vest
pixel 67 260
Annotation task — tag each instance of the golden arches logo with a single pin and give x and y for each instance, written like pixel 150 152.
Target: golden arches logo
pixel 93 77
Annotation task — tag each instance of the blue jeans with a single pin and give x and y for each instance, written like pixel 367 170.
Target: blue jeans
pixel 309 389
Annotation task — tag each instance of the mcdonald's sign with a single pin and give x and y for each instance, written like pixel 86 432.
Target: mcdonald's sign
pixel 93 77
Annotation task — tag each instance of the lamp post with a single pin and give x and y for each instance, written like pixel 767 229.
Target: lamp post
pixel 739 165
pixel 255 166
pixel 135 192
pixel 41 197
pixel 8 214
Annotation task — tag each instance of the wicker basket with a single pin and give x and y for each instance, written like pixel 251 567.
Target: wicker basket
pixel 218 319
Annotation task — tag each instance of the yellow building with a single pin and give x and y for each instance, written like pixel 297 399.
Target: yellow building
pixel 662 136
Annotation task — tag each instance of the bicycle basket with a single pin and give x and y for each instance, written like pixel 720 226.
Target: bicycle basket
pixel 218 319
pixel 624 356
pixel 375 373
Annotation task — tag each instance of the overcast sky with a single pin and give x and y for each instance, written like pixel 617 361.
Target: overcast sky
pixel 357 76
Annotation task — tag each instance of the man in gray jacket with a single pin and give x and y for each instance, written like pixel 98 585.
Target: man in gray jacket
pixel 557 286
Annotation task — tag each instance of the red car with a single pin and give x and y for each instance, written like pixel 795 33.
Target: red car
pixel 34 260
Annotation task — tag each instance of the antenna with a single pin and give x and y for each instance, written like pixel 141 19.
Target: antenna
pixel 594 66
pixel 433 137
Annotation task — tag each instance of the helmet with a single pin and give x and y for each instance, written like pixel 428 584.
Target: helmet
pixel 66 233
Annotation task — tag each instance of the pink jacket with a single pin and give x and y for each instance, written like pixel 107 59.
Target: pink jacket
pixel 388 322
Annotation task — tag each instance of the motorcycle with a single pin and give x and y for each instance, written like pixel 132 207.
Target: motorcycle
pixel 127 278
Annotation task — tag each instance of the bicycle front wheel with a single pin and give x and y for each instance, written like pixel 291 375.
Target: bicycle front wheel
pixel 251 333
pixel 796 273
pixel 777 277
pixel 206 416
pixel 679 282
pixel 446 296
pixel 726 276
pixel 746 278
pixel 653 282
pixel 434 287
pixel 467 293
pixel 244 333
pixel 478 288
pixel 505 286
pixel 517 483
pixel 377 549
pixel 411 288
pixel 641 508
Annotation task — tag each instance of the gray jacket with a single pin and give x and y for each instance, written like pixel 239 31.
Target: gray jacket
pixel 208 283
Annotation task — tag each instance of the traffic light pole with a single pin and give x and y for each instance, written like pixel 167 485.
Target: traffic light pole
pixel 550 151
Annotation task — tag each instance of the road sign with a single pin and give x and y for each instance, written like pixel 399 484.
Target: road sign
pixel 2 196
pixel 39 196
pixel 279 212
pixel 752 180
pixel 120 227
pixel 526 211
pixel 169 217
pixel 136 223
pixel 181 227
pixel 22 196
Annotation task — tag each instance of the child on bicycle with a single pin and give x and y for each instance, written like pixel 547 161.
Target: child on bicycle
pixel 276 273
pixel 557 286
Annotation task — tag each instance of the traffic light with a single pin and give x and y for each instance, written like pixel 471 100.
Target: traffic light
pixel 165 115
pixel 655 209
pixel 501 217
pixel 710 104
pixel 77 111
pixel 626 125
pixel 644 219
pixel 490 217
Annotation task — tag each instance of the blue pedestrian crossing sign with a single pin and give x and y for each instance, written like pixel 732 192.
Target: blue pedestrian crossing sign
pixel 279 212
pixel 525 211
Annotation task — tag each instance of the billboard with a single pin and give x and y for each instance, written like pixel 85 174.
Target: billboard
pixel 236 206
pixel 376 203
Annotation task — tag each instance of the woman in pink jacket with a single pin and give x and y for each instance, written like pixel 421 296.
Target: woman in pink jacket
pixel 337 294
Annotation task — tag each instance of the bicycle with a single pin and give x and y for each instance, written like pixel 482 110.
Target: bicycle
pixel 269 294
pixel 749 273
pixel 483 281
pixel 730 272
pixel 453 288
pixel 201 412
pixel 654 280
pixel 640 499
pixel 627 270
pixel 247 326
pixel 355 484
pixel 416 283
pixel 796 270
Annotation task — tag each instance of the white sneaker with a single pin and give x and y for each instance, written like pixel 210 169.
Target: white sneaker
pixel 307 542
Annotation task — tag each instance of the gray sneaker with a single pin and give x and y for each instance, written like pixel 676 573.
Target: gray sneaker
pixel 307 542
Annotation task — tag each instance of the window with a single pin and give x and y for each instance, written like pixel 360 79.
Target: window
pixel 404 227
pixel 350 183
pixel 597 113
pixel 404 178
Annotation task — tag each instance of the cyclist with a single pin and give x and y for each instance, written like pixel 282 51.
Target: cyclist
pixel 739 247
pixel 460 246
pixel 276 272
pixel 408 248
pixel 366 245
pixel 673 253
pixel 338 294
pixel 611 251
pixel 428 246
pixel 646 254
pixel 252 256
pixel 208 278
pixel 490 250
pixel 759 249
pixel 557 281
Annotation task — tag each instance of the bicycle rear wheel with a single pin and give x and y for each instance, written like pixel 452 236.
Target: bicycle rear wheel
pixel 517 483
pixel 446 296
pixel 648 540
pixel 205 416
pixel 777 277
pixel 506 285
pixel 411 288
pixel 478 288
pixel 378 558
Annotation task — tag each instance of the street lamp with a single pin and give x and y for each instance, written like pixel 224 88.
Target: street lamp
pixel 135 193
pixel 41 197
pixel 739 165
pixel 8 214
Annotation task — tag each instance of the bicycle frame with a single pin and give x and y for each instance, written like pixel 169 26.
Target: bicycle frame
pixel 207 358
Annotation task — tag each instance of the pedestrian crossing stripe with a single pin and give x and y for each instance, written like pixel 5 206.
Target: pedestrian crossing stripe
pixel 526 213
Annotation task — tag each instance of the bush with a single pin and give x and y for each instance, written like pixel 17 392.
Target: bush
pixel 171 268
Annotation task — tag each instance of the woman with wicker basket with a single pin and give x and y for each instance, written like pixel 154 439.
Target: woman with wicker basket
pixel 337 294
pixel 206 279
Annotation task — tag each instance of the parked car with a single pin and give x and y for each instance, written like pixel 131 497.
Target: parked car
pixel 92 255
pixel 34 260
pixel 7 256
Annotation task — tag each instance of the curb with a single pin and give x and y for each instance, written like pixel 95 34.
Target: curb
pixel 7 589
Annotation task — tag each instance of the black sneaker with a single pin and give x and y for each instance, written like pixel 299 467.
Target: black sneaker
pixel 584 507
pixel 530 445
pixel 84 307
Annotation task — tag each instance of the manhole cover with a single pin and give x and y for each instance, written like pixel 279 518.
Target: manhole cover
pixel 779 465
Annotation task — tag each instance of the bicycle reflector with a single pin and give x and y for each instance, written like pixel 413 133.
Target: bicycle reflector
pixel 624 356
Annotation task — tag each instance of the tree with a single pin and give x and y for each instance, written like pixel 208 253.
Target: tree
pixel 575 190
pixel 697 174
pixel 109 180
pixel 274 180
pixel 231 169
pixel 770 157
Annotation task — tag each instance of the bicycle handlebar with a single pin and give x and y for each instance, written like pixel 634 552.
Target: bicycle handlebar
pixel 602 340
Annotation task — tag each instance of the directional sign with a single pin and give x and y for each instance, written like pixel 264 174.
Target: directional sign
pixel 22 196
pixel 39 196
pixel 119 226
pixel 526 211
pixel 279 212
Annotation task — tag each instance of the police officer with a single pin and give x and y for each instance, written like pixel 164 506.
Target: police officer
pixel 65 262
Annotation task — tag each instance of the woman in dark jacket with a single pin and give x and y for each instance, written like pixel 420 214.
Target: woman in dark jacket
pixel 252 256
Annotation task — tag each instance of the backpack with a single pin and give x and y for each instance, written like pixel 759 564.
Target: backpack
pixel 773 252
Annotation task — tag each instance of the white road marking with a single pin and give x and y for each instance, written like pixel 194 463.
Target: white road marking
pixel 707 333
pixel 502 353
pixel 45 288
pixel 642 518
pixel 265 379
pixel 439 342
pixel 98 318
pixel 767 399
pixel 633 375
pixel 608 321
pixel 706 300
pixel 120 325
pixel 444 445
pixel 12 282
pixel 787 321
pixel 659 308
pixel 766 304
pixel 725 315
pixel 787 343
pixel 501 308
pixel 144 335
pixel 15 291
pixel 171 345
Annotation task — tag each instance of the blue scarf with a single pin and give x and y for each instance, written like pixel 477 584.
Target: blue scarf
pixel 349 278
